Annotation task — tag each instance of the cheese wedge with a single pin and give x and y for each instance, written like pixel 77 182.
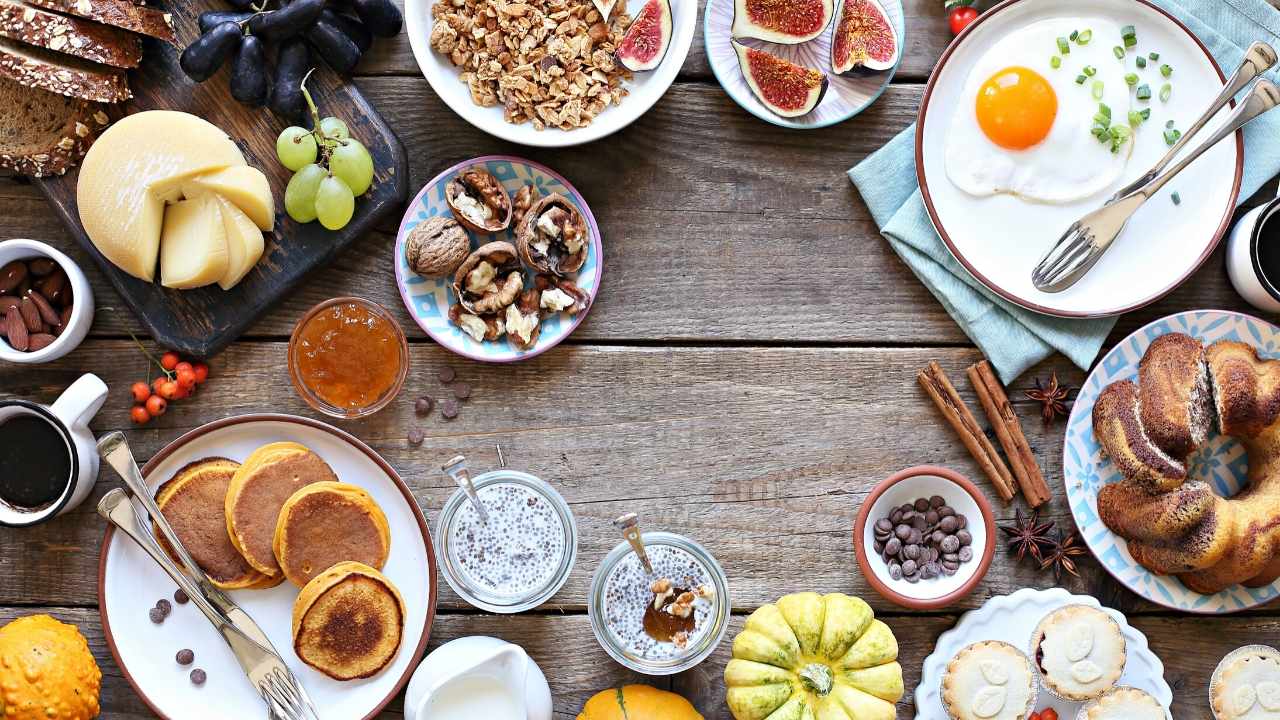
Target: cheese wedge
pixel 243 185
pixel 193 244
pixel 134 167
pixel 244 243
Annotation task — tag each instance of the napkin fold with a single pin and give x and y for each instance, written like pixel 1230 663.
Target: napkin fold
pixel 1014 338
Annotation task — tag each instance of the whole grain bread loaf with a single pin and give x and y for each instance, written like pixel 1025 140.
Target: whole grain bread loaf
pixel 39 68
pixel 43 133
pixel 70 35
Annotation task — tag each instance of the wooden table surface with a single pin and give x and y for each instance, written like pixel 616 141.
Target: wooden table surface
pixel 745 378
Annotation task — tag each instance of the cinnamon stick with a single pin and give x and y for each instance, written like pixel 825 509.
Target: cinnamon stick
pixel 1009 432
pixel 956 413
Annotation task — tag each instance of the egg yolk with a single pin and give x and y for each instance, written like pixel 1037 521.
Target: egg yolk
pixel 1016 107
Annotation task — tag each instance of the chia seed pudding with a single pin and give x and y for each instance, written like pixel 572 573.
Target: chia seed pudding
pixel 629 594
pixel 519 550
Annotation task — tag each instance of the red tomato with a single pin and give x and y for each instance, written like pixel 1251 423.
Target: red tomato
pixel 960 17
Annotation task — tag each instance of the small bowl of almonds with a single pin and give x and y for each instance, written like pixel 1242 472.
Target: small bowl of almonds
pixel 924 537
pixel 46 305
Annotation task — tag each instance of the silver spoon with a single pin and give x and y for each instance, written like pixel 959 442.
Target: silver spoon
pixel 629 524
pixel 457 469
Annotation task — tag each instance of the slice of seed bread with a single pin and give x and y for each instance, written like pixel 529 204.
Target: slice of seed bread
pixel 116 13
pixel 70 35
pixel 43 133
pixel 62 74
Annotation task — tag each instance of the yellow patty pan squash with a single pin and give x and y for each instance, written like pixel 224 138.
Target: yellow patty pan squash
pixel 638 702
pixel 814 657
pixel 46 671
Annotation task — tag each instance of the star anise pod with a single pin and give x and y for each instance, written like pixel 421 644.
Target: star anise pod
pixel 1052 396
pixel 1028 535
pixel 1060 553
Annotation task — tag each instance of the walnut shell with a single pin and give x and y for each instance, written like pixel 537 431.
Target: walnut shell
pixel 436 247
pixel 524 310
pixel 504 286
pixel 479 185
pixel 581 299
pixel 557 260
pixel 493 326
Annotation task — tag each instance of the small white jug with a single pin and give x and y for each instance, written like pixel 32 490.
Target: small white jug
pixel 478 676
pixel 69 416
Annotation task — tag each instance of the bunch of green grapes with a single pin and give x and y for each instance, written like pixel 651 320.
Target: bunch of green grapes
pixel 330 169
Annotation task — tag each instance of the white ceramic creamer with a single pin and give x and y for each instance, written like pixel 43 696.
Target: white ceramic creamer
pixel 478 677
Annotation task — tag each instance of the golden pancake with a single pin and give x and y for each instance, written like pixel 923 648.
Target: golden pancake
pixel 259 489
pixel 326 523
pixel 348 622
pixel 193 501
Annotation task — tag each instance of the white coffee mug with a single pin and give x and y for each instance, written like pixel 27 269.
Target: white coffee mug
pixel 69 416
pixel 1244 265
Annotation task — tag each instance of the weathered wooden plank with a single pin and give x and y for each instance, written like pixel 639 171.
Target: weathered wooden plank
pixel 700 244
pixel 762 454
pixel 577 667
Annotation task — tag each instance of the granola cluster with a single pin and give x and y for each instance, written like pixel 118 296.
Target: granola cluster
pixel 549 62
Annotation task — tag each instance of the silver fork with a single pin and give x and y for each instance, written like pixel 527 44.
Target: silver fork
pixel 1084 243
pixel 285 697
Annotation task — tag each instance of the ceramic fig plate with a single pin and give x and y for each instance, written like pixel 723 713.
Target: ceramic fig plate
pixel 846 96
pixel 1221 464
pixel 130 583
pixel 1013 619
pixel 428 299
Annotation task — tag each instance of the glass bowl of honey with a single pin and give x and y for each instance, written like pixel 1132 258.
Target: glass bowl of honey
pixel 348 357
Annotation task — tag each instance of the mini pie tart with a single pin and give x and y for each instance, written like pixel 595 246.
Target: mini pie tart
pixel 1246 685
pixel 1124 703
pixel 1079 651
pixel 989 680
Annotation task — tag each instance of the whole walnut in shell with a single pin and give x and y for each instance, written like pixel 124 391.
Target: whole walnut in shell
pixel 436 247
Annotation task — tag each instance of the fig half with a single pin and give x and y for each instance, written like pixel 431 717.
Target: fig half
pixel 646 41
pixel 787 22
pixel 787 89
pixel 553 237
pixel 863 38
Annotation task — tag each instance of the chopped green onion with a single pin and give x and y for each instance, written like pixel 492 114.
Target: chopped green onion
pixel 1119 52
pixel 1165 91
pixel 1168 124
pixel 1135 118
pixel 1090 70
pixel 1074 34
pixel 1104 110
pixel 1085 36
pixel 1055 62
pixel 1063 47
pixel 1144 92
pixel 1131 79
pixel 1154 56
pixel 1176 198
pixel 1171 136
pixel 1141 61
pixel 1165 70
pixel 1097 90
pixel 1130 38
pixel 1080 79
pixel 1145 113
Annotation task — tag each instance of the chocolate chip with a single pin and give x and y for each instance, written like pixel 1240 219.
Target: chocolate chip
pixel 921 505
pixel 462 391
pixel 893 547
pixel 164 606
pixel 449 408
pixel 918 522
pixel 929 571
pixel 180 597
pixel 916 538
pixel 423 406
pixel 937 536
pixel 931 517
pixel 198 677
pixel 909 515
pixel 951 557
pixel 965 554
pixel 909 567
pixel 946 511
pixel 907 507
pixel 416 437
pixel 902 532
pixel 948 524
pixel 961 521
pixel 914 578
pixel 185 657
pixel 937 501
pixel 447 375
pixel 949 568
pixel 883 525
pixel 156 615
pixel 950 544
pixel 964 537
pixel 895 517
pixel 911 552
pixel 895 571
pixel 879 546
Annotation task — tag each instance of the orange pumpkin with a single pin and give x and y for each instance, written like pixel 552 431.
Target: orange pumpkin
pixel 641 703
pixel 46 671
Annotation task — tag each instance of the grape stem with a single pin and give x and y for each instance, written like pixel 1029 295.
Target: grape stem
pixel 325 143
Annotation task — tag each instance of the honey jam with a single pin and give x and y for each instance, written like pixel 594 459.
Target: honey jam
pixel 348 355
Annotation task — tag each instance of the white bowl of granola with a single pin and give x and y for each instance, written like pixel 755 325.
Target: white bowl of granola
pixel 545 75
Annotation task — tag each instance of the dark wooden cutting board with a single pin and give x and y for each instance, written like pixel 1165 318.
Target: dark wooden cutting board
pixel 203 321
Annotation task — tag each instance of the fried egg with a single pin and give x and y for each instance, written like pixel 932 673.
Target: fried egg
pixel 1024 127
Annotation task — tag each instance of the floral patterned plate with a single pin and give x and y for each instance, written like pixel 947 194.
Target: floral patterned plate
pixel 1221 463
pixel 428 299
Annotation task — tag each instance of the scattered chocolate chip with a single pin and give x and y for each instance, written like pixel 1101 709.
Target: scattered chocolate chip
pixel 950 544
pixel 921 505
pixel 949 524
pixel 164 606
pixel 180 597
pixel 895 571
pixel 964 537
pixel 198 677
pixel 447 375
pixel 883 525
pixel 462 391
pixel 965 554
pixel 185 657
pixel 156 615
pixel 909 567
pixel 423 406
pixel 449 408
pixel 937 501
pixel 416 437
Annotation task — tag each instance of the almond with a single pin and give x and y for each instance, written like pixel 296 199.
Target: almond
pixel 8 301
pixel 53 286
pixel 30 315
pixel 41 267
pixel 12 275
pixel 47 313
pixel 40 341
pixel 15 329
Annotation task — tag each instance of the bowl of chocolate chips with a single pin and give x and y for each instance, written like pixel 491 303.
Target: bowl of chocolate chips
pixel 924 537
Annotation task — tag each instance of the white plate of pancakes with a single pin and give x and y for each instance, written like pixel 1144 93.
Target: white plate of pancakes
pixel 130 584
pixel 1221 463
pixel 1006 158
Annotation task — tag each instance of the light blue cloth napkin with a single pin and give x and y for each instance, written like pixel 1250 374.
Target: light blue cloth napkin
pixel 1013 338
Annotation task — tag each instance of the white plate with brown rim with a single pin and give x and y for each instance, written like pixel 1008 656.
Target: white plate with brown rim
pixel 130 583
pixel 1000 238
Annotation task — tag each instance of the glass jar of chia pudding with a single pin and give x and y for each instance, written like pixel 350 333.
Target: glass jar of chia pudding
pixel 521 556
pixel 637 615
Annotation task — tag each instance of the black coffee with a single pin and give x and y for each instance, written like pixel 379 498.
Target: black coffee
pixel 1269 248
pixel 35 466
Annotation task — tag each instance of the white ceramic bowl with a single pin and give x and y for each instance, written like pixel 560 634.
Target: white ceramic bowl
pixel 81 310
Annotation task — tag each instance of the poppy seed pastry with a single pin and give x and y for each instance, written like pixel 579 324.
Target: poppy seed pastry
pixel 1150 428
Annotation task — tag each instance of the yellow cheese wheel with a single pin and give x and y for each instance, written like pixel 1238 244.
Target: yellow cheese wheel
pixel 246 187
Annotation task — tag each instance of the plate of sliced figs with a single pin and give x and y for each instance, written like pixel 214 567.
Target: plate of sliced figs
pixel 498 258
pixel 804 63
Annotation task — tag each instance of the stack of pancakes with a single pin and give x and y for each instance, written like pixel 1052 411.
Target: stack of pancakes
pixel 283 514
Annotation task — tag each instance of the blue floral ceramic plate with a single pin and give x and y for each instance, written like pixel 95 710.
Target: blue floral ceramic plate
pixel 428 299
pixel 1221 463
